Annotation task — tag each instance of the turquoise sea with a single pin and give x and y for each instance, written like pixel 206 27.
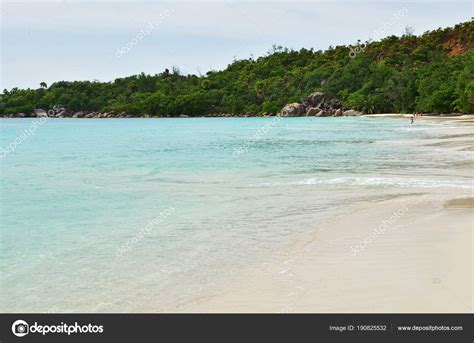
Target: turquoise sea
pixel 120 215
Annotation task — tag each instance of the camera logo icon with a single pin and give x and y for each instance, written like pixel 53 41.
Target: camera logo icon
pixel 20 328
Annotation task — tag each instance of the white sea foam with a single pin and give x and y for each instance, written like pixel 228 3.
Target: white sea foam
pixel 433 127
pixel 381 181
pixel 378 181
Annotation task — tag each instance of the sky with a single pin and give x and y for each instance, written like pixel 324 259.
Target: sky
pixel 106 39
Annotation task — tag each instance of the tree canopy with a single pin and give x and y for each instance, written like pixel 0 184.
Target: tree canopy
pixel 433 72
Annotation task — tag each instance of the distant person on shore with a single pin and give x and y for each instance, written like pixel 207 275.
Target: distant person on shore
pixel 412 119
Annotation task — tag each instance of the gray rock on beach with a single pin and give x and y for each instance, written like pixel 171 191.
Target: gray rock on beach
pixel 335 103
pixel 38 112
pixel 312 111
pixel 352 113
pixel 316 104
pixel 62 114
pixel 293 110
pixel 314 99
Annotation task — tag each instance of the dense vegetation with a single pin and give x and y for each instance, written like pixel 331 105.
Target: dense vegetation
pixel 433 72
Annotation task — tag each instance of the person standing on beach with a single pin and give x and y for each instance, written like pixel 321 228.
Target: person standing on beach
pixel 412 119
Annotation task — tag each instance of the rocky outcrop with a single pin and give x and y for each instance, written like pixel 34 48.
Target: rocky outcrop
pixel 335 103
pixel 312 111
pixel 314 99
pixel 293 110
pixel 317 104
pixel 38 112
pixel 352 113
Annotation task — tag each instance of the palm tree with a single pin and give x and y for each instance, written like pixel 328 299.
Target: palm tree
pixel 43 85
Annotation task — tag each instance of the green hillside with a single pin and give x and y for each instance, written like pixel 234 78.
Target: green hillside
pixel 433 72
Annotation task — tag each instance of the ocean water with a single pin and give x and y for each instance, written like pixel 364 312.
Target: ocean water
pixel 131 215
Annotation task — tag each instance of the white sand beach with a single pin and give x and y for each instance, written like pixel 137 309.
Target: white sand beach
pixel 421 262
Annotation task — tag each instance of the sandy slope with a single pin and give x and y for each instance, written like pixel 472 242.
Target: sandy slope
pixel 421 263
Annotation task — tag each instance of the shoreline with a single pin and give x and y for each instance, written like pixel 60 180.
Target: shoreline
pixel 420 262
pixel 96 115
pixel 468 118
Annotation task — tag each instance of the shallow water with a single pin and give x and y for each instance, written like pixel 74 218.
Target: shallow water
pixel 81 228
